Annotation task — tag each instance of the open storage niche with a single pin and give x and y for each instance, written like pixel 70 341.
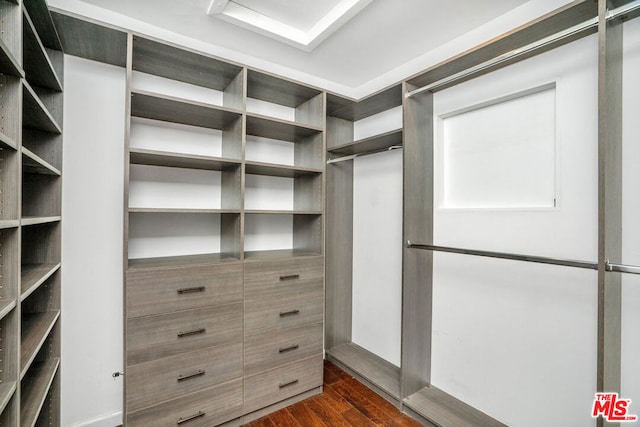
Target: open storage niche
pixel 10 38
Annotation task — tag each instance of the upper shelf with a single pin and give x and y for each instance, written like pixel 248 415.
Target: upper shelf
pixel 38 67
pixel 7 142
pixel 8 63
pixel 348 109
pixel 367 145
pixel 284 130
pixel 32 163
pixel 35 114
pixel 140 156
pixel 179 261
pixel 39 12
pixel 181 64
pixel 267 87
pixel 170 109
pixel 284 171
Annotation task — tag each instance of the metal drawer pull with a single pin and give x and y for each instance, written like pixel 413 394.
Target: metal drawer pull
pixel 189 333
pixel 191 417
pixel 289 313
pixel 290 277
pixel 199 373
pixel 290 348
pixel 287 384
pixel 191 290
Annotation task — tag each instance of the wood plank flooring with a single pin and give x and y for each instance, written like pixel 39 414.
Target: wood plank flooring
pixel 345 402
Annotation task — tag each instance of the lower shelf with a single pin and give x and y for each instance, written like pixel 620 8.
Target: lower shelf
pixel 35 330
pixel 7 390
pixel 34 390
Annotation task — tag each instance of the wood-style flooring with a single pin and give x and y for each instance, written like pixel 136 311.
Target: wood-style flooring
pixel 345 402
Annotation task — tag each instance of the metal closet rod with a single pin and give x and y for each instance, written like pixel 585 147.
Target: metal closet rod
pixel 612 14
pixel 353 156
pixel 622 268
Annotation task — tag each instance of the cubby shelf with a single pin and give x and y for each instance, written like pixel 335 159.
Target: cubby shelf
pixel 8 63
pixel 43 23
pixel 35 113
pixel 35 330
pixel 374 143
pixel 7 390
pixel 179 261
pixel 284 171
pixel 33 275
pixel 139 156
pixel 281 212
pixel 32 163
pixel 9 223
pixel 37 220
pixel 277 254
pixel 155 106
pixel 38 68
pixel 184 210
pixel 274 128
pixel 34 393
pixel 274 89
pixel 6 305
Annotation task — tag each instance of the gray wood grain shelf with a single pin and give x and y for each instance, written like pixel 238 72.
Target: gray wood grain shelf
pixel 184 210
pixel 9 223
pixel 348 109
pixel 181 64
pixel 155 106
pixel 32 163
pixel 179 261
pixel 267 87
pixel 6 305
pixel 34 275
pixel 34 113
pixel 38 68
pixel 35 330
pixel 43 23
pixel 5 141
pixel 445 410
pixel 284 171
pixel 7 390
pixel 9 65
pixel 281 212
pixel 277 254
pixel 372 368
pixel 37 220
pixel 374 143
pixel 138 156
pixel 34 392
pixel 274 128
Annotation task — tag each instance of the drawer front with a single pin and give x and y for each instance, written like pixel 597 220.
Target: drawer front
pixel 154 337
pixel 281 311
pixel 203 409
pixel 151 292
pixel 268 350
pixel 171 377
pixel 265 278
pixel 272 386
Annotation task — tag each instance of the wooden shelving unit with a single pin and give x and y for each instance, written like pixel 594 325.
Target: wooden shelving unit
pixel 35 330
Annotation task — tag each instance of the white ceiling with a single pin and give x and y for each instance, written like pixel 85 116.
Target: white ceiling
pixel 382 37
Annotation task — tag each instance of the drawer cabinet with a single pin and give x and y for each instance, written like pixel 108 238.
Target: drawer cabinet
pixel 276 277
pixel 280 311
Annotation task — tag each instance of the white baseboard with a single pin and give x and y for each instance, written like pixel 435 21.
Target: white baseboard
pixel 108 420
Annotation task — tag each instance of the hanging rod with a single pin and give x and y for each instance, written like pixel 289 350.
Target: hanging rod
pixel 593 22
pixel 504 255
pixel 622 268
pixel 353 156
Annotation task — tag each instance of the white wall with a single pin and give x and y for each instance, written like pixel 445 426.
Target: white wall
pixel 518 340
pixel 92 243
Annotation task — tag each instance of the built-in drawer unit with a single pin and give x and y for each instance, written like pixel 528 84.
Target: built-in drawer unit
pixel 274 385
pixel 155 337
pixel 171 377
pixel 207 408
pixel 155 291
pixel 278 311
pixel 271 277
pixel 271 349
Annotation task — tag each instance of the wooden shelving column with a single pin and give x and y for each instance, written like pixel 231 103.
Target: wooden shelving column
pixel 31 76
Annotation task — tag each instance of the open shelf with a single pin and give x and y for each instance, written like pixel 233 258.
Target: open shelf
pixel 281 212
pixel 38 68
pixel 7 390
pixel 37 220
pixel 284 171
pixel 184 210
pixel 348 109
pixel 139 156
pixel 35 330
pixel 8 63
pixel 179 261
pixel 7 142
pixel 274 128
pixel 34 390
pixel 442 409
pixel 155 106
pixel 372 368
pixel 266 87
pixel 33 275
pixel 277 254
pixel 374 143
pixel 43 23
pixel 9 223
pixel 35 113
pixel 32 163
pixel 6 305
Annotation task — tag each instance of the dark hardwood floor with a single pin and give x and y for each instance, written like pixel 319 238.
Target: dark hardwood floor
pixel 344 403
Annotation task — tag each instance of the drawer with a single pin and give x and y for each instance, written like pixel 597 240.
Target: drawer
pixel 203 409
pixel 262 278
pixel 152 292
pixel 281 383
pixel 171 377
pixel 154 337
pixel 279 311
pixel 264 351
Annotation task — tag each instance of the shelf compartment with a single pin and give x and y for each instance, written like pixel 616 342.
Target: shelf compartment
pixel 267 87
pixel 284 171
pixel 9 185
pixel 10 119
pixel 32 163
pixel 34 390
pixel 9 336
pixel 183 211
pixel 283 232
pixel 139 156
pixel 38 67
pixel 348 109
pixel 8 63
pixel 154 106
pixel 10 38
pixel 39 220
pixel 9 267
pixel 280 212
pixel 7 391
pixel 372 144
pixel 43 23
pixel 41 195
pixel 41 243
pixel 35 114
pixel 35 330
pixel 180 261
pixel 34 275
pixel 43 147
pixel 278 254
pixel 284 130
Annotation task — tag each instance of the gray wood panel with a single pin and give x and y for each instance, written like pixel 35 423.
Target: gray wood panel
pixel 347 109
pixel 41 243
pixel 37 66
pixel 42 195
pixel 309 152
pixel 367 145
pixel 307 233
pixel 209 408
pixel 11 119
pixel 141 156
pixel 169 378
pixel 283 310
pixel 281 383
pixel 154 337
pixel 34 164
pixel 34 390
pixel 179 261
pixel 45 145
pixel 270 88
pixel 234 92
pixel 274 128
pixel 35 114
pixel 311 112
pixel 267 350
pixel 156 291
pixel 9 184
pixel 43 23
pixel 284 171
pixel 35 330
pixel 307 192
pixel 277 277
pixel 11 38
